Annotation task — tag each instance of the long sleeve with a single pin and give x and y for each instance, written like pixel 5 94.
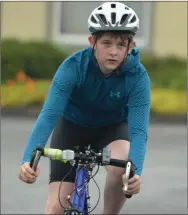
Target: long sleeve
pixel 63 83
pixel 138 121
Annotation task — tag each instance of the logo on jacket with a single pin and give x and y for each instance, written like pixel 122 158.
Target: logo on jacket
pixel 114 94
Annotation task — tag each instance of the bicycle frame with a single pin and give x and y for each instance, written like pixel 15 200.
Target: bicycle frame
pixel 79 200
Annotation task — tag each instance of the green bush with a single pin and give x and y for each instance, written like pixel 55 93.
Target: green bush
pixel 166 72
pixel 40 60
pixel 12 58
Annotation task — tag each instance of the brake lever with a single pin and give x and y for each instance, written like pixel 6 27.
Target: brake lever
pixel 129 173
pixel 36 155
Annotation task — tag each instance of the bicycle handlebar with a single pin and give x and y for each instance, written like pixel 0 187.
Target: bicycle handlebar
pixel 89 157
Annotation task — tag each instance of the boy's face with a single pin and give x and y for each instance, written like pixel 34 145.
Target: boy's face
pixel 110 51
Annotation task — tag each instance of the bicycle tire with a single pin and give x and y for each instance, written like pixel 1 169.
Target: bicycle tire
pixel 72 211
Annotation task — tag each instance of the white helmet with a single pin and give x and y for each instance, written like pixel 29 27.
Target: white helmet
pixel 113 16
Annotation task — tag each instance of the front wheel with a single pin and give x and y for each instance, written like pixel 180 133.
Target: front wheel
pixel 72 211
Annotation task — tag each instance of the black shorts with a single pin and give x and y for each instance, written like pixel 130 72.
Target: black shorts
pixel 67 135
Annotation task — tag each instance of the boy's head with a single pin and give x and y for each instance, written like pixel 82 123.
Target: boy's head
pixel 112 26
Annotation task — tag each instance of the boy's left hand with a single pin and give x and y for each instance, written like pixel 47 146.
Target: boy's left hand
pixel 133 185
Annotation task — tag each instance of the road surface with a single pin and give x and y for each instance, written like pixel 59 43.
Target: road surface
pixel 164 180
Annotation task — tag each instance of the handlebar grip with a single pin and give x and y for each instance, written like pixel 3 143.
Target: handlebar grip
pixel 36 155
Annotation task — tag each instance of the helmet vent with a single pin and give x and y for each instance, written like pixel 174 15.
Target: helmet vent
pixel 93 19
pixel 103 19
pixel 100 8
pixel 124 17
pixel 113 6
pixel 126 8
pixel 133 19
pixel 113 18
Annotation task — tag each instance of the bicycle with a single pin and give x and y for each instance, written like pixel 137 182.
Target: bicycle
pixel 85 163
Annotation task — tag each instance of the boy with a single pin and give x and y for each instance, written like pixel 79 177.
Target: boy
pixel 99 96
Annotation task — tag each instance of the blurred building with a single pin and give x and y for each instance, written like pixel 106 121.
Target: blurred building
pixel 163 25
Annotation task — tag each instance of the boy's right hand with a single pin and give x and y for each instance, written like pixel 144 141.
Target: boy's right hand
pixel 27 174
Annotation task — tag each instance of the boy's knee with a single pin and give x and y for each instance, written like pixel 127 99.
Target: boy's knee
pixel 115 173
pixel 119 150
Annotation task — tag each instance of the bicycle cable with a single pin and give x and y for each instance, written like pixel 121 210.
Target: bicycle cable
pixel 75 189
pixel 59 197
pixel 86 182
pixel 92 177
pixel 98 197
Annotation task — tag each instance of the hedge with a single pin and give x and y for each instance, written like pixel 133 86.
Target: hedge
pixel 166 72
pixel 40 60
pixel 30 93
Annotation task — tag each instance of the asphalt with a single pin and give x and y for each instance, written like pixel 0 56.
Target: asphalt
pixel 164 179
pixel 33 112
